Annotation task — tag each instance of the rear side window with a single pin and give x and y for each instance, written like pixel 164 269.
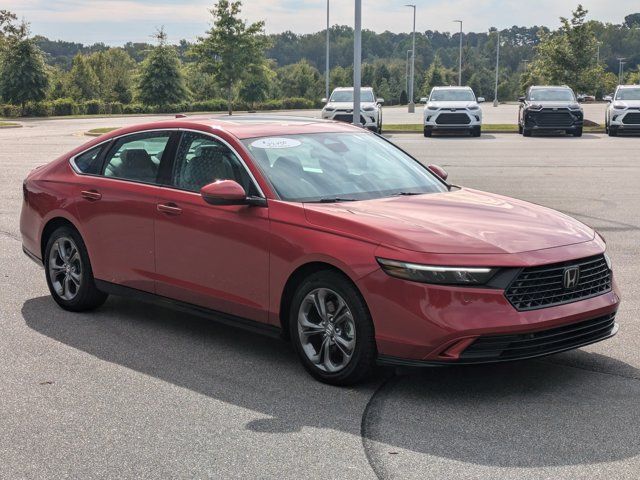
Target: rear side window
pixel 89 162
pixel 137 157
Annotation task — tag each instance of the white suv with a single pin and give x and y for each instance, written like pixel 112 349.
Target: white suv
pixel 340 107
pixel 623 112
pixel 452 109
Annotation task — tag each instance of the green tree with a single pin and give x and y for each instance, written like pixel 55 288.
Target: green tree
pixel 23 76
pixel 232 48
pixel 161 80
pixel 568 55
pixel 114 69
pixel 255 87
pixel 84 84
pixel 300 80
pixel 435 76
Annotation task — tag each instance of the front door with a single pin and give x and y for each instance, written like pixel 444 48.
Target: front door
pixel 212 256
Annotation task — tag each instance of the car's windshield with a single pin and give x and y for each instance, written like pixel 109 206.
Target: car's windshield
pixel 628 94
pixel 347 96
pixel 339 167
pixel 452 95
pixel 551 95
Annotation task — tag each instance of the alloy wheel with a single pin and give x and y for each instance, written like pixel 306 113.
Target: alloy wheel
pixel 327 330
pixel 65 268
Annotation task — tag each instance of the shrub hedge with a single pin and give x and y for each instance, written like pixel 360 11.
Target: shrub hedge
pixel 68 106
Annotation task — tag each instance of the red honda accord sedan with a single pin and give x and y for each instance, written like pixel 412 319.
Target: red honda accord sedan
pixel 321 232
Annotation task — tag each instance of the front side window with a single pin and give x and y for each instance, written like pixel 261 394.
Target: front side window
pixel 346 166
pixel 628 94
pixel 551 95
pixel 137 157
pixel 452 95
pixel 202 159
pixel 89 162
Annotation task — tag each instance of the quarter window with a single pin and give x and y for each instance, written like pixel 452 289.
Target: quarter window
pixel 202 159
pixel 137 157
pixel 89 162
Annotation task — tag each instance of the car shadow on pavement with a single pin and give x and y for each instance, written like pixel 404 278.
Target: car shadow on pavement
pixel 575 408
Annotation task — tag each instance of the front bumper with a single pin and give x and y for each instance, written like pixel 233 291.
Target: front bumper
pixel 437 324
pixel 553 119
pixel 367 119
pixel 628 120
pixel 458 119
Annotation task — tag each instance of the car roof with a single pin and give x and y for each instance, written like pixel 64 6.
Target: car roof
pixel 350 88
pixel 537 87
pixel 452 87
pixel 246 126
pixel 628 86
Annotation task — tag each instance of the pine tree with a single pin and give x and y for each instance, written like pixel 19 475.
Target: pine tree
pixel 23 76
pixel 83 82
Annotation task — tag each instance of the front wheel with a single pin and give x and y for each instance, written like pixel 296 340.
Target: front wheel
pixel 526 132
pixel 68 270
pixel 577 132
pixel 427 132
pixel 476 132
pixel 331 329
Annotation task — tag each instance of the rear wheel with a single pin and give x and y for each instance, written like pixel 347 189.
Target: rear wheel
pixel 577 132
pixel 68 270
pixel 331 329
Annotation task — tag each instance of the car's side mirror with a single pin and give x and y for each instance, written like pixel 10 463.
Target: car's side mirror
pixel 424 99
pixel 380 101
pixel 521 99
pixel 607 98
pixel 324 100
pixel 439 171
pixel 228 192
pixel 480 99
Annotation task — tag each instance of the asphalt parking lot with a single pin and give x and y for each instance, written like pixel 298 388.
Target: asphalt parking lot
pixel 136 391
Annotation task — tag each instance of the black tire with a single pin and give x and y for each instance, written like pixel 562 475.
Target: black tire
pixel 526 132
pixel 519 129
pixel 362 361
pixel 427 132
pixel 613 132
pixel 476 132
pixel 87 296
pixel 577 132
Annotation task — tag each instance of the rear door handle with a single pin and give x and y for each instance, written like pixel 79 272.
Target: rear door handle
pixel 169 208
pixel 91 195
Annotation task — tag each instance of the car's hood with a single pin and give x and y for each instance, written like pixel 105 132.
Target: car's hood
pixel 553 104
pixel 348 105
pixel 451 104
pixel 461 221
pixel 628 103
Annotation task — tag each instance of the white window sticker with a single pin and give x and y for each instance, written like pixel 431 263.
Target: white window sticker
pixel 276 142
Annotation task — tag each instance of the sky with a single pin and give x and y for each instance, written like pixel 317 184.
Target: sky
pixel 116 22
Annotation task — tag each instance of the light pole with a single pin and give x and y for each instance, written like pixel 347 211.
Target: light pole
pixel 357 63
pixel 406 71
pixel 621 70
pixel 327 70
pixel 412 105
pixel 460 56
pixel 598 54
pixel 495 94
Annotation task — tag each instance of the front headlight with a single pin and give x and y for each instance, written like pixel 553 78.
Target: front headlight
pixel 474 107
pixel 328 109
pixel 369 109
pixel 437 274
pixel 619 106
pixel 575 107
pixel 431 107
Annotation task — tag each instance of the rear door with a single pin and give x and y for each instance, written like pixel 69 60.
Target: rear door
pixel 212 256
pixel 117 209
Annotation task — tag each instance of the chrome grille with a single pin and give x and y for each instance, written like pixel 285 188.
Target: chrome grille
pixel 553 119
pixel 541 287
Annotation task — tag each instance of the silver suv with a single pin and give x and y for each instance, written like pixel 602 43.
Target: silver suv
pixel 623 112
pixel 340 107
pixel 452 109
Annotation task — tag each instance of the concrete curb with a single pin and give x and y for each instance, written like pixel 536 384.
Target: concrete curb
pixel 17 125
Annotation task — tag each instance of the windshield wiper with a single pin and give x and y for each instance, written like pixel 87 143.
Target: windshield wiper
pixel 407 194
pixel 336 200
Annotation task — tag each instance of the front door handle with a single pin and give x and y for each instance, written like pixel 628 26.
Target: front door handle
pixel 91 195
pixel 169 208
